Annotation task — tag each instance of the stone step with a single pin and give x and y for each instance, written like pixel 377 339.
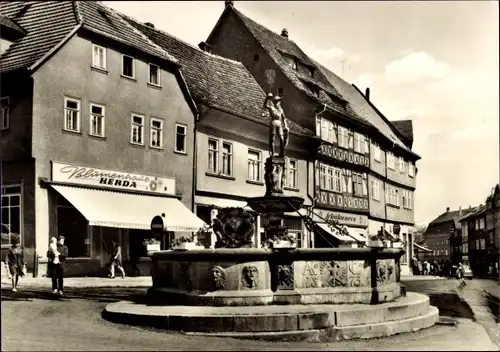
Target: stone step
pixel 271 318
pixel 364 331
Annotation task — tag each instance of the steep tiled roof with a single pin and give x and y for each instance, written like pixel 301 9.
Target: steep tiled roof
pixel 454 215
pixel 480 209
pixel 276 46
pixel 405 127
pixel 214 80
pixel 361 106
pixel 48 23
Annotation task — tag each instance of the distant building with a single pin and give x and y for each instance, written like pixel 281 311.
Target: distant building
pixel 438 235
pixel 493 227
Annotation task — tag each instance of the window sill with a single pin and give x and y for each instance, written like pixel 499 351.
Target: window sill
pixel 71 132
pixel 378 161
pixel 258 183
pixel 291 189
pixel 226 177
pixel 154 86
pixel 132 79
pixel 160 149
pixel 376 200
pixel 393 206
pixel 99 69
pixel 137 145
pixel 96 137
pixel 180 152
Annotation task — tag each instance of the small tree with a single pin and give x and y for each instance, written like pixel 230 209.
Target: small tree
pixel 418 234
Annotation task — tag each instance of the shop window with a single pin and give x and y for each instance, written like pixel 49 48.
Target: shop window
pixel 11 213
pixel 74 227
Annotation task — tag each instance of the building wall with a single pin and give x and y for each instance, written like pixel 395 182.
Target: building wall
pixel 234 41
pixel 379 166
pixel 15 143
pixel 438 239
pixel 402 178
pixel 69 73
pixel 399 213
pixel 377 206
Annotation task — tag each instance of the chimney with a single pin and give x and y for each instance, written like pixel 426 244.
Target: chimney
pixel 205 47
pixel 447 209
pixel 470 207
pixel 228 3
pixel 367 94
pixel 149 24
pixel 284 33
pixel 460 211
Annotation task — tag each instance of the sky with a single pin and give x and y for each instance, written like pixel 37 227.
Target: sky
pixel 434 62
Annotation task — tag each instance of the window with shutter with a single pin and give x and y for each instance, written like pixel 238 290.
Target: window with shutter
pixel 351 141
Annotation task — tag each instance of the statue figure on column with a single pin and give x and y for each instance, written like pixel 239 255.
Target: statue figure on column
pixel 277 124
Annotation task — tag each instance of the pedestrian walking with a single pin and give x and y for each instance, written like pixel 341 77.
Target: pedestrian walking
pixel 116 260
pixel 460 274
pixel 14 262
pixel 57 266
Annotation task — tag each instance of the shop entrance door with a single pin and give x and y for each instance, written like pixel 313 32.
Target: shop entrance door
pixel 108 235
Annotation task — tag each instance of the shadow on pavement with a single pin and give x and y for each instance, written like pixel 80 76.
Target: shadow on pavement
pixel 451 305
pixel 94 294
pixel 494 305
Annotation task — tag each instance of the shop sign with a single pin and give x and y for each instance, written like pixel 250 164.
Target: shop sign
pixel 90 176
pixel 343 155
pixel 343 218
pixel 157 225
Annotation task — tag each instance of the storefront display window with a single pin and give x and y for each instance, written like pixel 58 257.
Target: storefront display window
pixel 74 227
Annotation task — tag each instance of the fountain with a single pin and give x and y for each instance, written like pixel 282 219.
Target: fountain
pixel 280 292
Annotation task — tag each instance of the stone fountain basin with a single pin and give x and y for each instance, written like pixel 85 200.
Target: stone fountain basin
pixel 243 277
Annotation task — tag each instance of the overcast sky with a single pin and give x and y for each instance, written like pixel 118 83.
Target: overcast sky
pixel 436 63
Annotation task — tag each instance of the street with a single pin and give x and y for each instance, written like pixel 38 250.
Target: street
pixel 33 319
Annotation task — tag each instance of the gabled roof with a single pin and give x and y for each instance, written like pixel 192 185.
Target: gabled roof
pixel 361 106
pixel 277 46
pixel 48 24
pixel 405 127
pixel 215 81
pixel 480 209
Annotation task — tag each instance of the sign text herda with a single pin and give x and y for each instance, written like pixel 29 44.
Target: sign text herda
pixel 113 179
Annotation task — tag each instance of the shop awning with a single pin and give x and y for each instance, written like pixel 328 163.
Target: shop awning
pixel 129 211
pixel 222 203
pixel 422 248
pixel 334 233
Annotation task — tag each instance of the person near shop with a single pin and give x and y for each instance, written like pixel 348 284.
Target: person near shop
pixel 116 260
pixel 57 267
pixel 460 274
pixel 14 262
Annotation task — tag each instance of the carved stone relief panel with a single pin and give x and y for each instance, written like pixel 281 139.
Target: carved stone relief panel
pixel 385 271
pixel 250 277
pixel 285 280
pixel 219 277
pixel 311 274
pixel 358 273
pixel 333 273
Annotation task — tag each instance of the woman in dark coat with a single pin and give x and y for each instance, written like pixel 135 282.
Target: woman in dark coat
pixel 14 262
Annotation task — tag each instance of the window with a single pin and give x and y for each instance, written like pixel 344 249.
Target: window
pixel 331 180
pixel 477 224
pixel 392 196
pixel 481 223
pixel 446 252
pixel 326 130
pixel 406 199
pixel 375 189
pixel 322 177
pixel 343 137
pixel 280 92
pixel 311 72
pixel 411 169
pixel 154 74
pixel 482 243
pixel 137 133
pixel 156 133
pixel 316 91
pixel 294 225
pixel 358 142
pixel 74 227
pixel 71 115
pixel 391 161
pixel 376 153
pixel 292 174
pixel 128 69
pixel 97 120
pixel 338 180
pixel 4 113
pixel 295 65
pixel 357 184
pixel 180 138
pixel 227 159
pixel 213 155
pixel 318 126
pixel 256 57
pixel 254 166
pixel 11 213
pixel 401 165
pixel 98 56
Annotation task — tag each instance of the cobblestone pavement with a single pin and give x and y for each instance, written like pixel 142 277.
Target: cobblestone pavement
pixel 34 319
pixel 482 297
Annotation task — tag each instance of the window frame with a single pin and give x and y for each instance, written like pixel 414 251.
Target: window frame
pixel 176 138
pixel 159 75
pixel 230 158
pixel 18 192
pixel 160 134
pixel 344 132
pixel 259 163
pixel 216 154
pixel 104 57
pixel 401 164
pixel 103 116
pixel 123 66
pixel 293 172
pixel 375 190
pixel 78 115
pixel 5 116
pixel 411 169
pixel 143 127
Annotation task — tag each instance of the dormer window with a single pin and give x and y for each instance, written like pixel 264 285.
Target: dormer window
pixel 256 57
pixel 316 91
pixel 10 31
pixel 311 72
pixel 295 65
